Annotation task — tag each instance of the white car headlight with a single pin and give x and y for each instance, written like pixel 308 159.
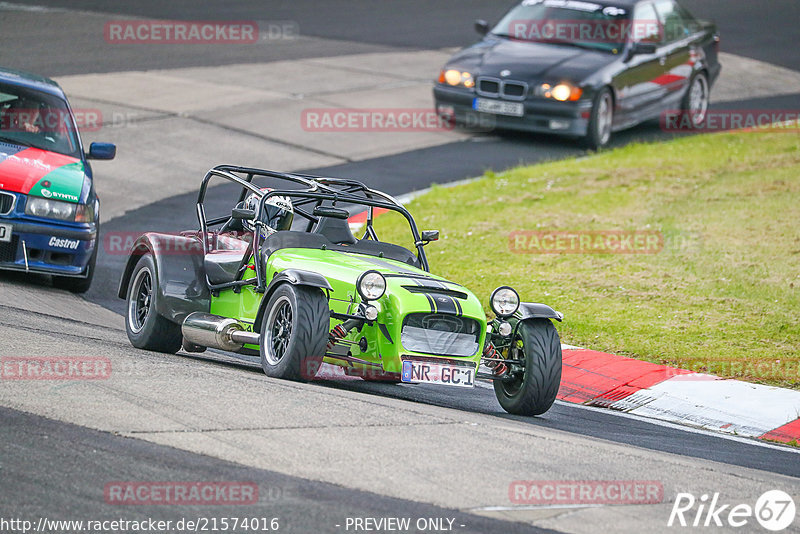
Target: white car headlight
pixel 371 285
pixel 504 301
pixel 457 77
pixel 563 92
pixel 50 209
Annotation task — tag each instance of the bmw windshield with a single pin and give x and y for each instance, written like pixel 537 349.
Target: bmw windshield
pixel 568 22
pixel 35 119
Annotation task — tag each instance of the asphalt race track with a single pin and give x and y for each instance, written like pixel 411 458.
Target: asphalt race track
pixel 324 452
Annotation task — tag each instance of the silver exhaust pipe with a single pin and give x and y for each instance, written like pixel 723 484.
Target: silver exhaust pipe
pixel 224 333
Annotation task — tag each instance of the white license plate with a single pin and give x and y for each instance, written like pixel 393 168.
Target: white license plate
pixel 438 373
pixel 498 107
pixel 5 233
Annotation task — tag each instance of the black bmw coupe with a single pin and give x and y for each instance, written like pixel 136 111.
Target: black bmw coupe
pixel 583 69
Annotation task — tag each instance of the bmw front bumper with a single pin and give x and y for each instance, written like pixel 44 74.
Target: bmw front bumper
pixel 540 116
pixel 33 245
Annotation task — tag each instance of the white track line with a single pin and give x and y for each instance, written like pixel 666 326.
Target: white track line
pixel 675 426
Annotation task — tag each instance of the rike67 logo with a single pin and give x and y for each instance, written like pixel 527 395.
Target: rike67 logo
pixel 775 511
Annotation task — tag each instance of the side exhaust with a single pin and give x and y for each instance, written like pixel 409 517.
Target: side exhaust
pixel 207 330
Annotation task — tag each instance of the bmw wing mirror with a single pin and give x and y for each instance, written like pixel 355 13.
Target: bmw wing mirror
pixel 430 235
pixel 241 214
pixel 102 151
pixel 481 26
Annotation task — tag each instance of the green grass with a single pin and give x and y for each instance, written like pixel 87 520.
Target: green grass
pixel 722 297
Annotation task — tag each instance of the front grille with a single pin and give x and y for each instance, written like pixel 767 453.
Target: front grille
pixel 440 334
pixel 488 87
pixel 514 89
pixel 508 89
pixel 6 202
pixel 8 251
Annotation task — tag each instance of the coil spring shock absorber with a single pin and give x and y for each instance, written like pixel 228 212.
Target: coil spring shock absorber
pixel 498 368
pixel 337 332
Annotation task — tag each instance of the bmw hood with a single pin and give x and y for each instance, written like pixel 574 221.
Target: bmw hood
pixel 528 61
pixel 41 173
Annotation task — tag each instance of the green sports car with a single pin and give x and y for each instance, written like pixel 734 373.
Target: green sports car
pixel 280 275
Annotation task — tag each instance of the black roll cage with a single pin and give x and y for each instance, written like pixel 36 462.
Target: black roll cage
pixel 318 190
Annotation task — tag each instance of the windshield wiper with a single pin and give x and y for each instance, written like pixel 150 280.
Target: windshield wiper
pixel 13 141
pixel 576 44
pixel 552 41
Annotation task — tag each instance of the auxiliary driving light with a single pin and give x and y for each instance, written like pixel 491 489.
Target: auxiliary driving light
pixel 504 329
pixel 370 312
pixel 504 301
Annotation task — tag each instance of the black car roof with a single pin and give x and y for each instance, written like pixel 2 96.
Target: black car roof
pixel 31 81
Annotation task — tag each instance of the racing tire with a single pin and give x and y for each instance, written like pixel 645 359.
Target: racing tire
pixel 695 103
pixel 294 333
pixel 601 121
pixel 534 391
pixel 145 327
pixel 78 285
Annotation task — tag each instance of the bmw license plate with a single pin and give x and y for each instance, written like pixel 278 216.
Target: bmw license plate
pixel 438 373
pixel 5 233
pixel 498 107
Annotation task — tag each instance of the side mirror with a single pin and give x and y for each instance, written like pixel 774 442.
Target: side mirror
pixel 430 235
pixel 102 151
pixel 481 26
pixel 241 214
pixel 643 49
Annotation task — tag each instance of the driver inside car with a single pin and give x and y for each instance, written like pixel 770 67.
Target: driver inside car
pixel 277 215
pixel 22 115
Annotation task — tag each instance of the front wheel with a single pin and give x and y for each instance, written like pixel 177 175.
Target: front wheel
pixel 145 327
pixel 601 120
pixel 532 390
pixel 294 332
pixel 78 285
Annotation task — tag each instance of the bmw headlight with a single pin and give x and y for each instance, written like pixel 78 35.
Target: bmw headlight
pixel 456 78
pixel 371 285
pixel 50 209
pixel 504 301
pixel 563 92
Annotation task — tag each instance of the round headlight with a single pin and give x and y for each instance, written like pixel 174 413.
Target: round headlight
pixel 371 285
pixel 561 92
pixel 504 301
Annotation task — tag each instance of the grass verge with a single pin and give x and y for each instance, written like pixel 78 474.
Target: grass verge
pixel 722 296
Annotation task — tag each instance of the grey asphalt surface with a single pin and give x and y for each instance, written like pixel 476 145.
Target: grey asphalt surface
pixel 761 30
pixel 47 460
pixel 595 423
